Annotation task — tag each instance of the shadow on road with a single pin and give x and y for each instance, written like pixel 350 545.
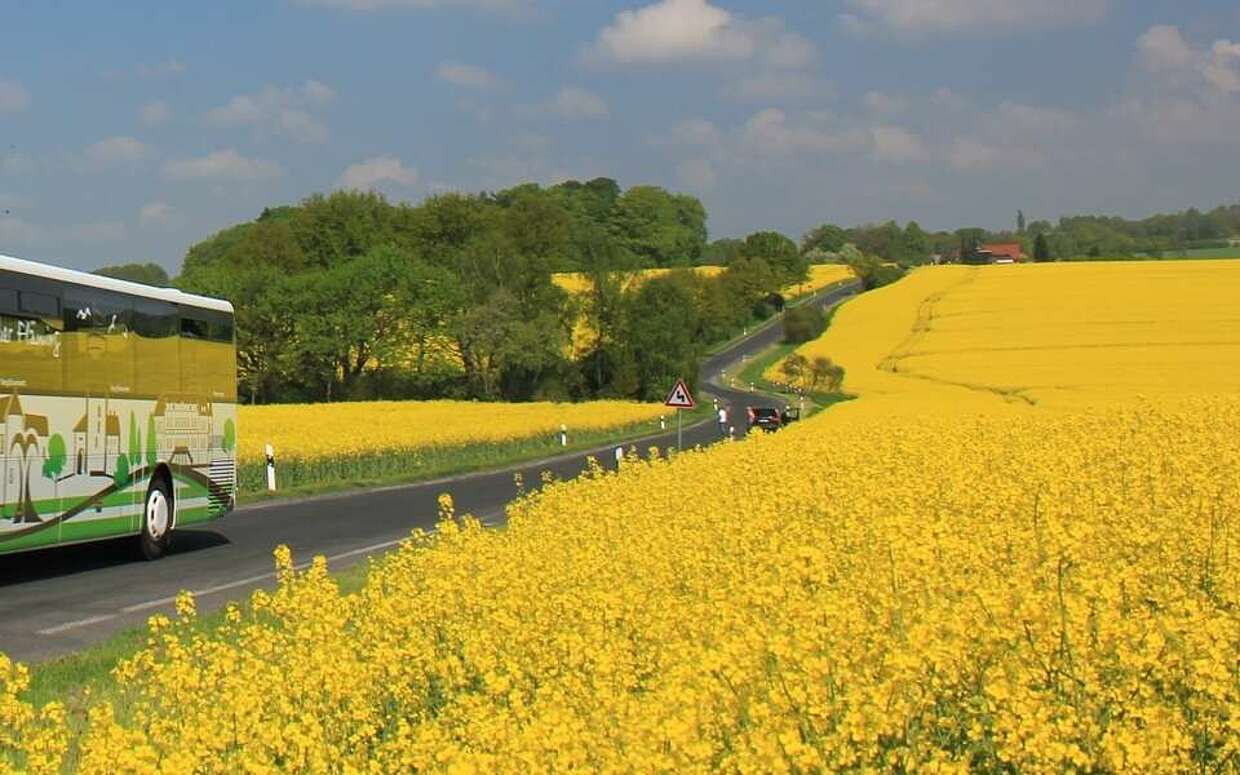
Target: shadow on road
pixel 44 564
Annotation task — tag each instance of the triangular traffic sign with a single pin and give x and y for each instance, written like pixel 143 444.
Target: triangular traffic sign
pixel 680 397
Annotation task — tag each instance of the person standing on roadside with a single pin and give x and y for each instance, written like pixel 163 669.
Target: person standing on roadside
pixel 723 421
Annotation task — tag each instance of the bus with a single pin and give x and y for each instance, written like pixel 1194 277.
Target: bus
pixel 118 409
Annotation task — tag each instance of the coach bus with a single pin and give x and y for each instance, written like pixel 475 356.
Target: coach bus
pixel 118 407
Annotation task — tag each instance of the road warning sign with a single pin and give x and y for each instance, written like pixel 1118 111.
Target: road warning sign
pixel 680 397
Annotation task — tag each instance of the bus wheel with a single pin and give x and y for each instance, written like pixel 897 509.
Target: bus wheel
pixel 156 520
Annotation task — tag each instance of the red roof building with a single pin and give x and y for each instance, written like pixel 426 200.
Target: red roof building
pixel 1005 252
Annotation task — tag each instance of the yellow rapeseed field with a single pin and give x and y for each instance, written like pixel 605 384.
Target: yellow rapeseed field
pixel 312 431
pixel 941 576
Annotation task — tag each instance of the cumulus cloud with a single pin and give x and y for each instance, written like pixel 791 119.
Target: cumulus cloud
pixel 155 113
pixel 466 76
pixel 153 213
pixel 281 111
pixel 896 144
pixel 116 151
pixel 13 97
pixel 370 173
pixel 1165 52
pixel 771 132
pixel 926 17
pixel 697 174
pixel 221 165
pixel 671 31
pixel 769 86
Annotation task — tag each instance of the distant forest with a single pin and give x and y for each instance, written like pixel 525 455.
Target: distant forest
pixel 349 296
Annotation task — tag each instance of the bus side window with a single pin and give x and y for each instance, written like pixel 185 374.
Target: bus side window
pixel 100 344
pixel 157 351
pixel 193 344
pixel 30 343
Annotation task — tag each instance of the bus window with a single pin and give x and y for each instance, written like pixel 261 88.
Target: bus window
pixel 99 341
pixel 30 341
pixel 156 349
pixel 208 360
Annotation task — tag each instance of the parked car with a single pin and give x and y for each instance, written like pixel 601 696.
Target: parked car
pixel 769 419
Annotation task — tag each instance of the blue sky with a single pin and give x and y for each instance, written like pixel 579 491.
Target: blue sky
pixel 128 133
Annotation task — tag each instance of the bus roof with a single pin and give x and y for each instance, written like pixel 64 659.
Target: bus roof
pixel 47 271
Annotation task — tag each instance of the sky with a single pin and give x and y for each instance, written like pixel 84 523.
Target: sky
pixel 129 131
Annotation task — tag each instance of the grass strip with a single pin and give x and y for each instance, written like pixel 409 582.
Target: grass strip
pixel 302 478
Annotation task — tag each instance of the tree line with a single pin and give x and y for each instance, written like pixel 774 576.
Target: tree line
pixel 1069 238
pixel 350 296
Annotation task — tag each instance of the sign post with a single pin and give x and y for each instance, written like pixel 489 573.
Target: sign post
pixel 680 398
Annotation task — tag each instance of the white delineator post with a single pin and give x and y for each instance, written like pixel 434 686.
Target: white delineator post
pixel 271 469
pixel 662 422
pixel 563 435
pixel 619 456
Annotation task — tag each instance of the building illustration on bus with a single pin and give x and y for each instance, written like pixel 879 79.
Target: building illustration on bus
pixel 117 409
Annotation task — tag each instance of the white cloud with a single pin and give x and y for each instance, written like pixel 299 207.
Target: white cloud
pixel 155 113
pixel 922 17
pixel 698 174
pixel 1223 66
pixel 284 112
pixel 368 174
pixel 1163 49
pixel 493 6
pixel 13 97
pixel 769 132
pixel 221 165
pixel 896 144
pixel 571 102
pixel 574 102
pixel 116 151
pixel 695 30
pixel 769 86
pixel 154 213
pixel 466 76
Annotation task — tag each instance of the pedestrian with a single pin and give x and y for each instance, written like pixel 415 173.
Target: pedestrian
pixel 723 421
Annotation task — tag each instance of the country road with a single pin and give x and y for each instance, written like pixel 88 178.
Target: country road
pixel 59 600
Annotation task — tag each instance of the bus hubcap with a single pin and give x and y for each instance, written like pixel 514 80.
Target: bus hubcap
pixel 157 515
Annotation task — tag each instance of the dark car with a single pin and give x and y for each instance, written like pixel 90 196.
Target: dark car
pixel 769 419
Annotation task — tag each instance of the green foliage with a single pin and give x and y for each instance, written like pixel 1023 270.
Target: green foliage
pixel 803 324
pixel 57 456
pixel 1041 250
pixel 874 273
pixel 780 254
pixel 147 274
pixel 721 252
pixel 229 441
pixel 827 238
pixel 660 228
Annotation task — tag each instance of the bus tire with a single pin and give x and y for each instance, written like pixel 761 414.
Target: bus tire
pixel 156 520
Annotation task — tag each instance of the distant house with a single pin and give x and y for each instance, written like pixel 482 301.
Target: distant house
pixel 1003 252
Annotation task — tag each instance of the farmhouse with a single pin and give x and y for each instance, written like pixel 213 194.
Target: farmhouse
pixel 21 435
pixel 96 439
pixel 1003 252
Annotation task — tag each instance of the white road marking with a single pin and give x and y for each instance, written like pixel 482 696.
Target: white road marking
pixel 197 593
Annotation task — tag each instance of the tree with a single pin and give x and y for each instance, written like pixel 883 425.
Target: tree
pixel 121 477
pixel 827 238
pixel 152 444
pixel 803 324
pixel 27 443
pixel 780 253
pixel 135 440
pixel 1041 250
pixel 722 251
pixel 916 244
pixel 823 371
pixel 661 229
pixel 147 274
pixel 1020 221
pixel 659 314
pixel 794 368
pixel 229 441
pixel 54 462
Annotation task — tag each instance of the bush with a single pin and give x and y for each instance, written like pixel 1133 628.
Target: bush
pixel 803 324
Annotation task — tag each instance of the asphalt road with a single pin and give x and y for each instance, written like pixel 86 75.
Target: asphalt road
pixel 59 600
